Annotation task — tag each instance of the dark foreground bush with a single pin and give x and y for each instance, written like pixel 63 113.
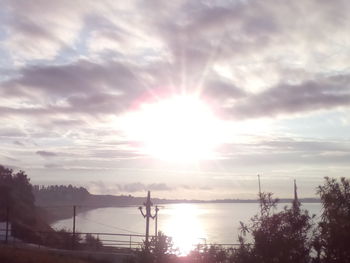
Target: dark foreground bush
pixel 160 251
pixel 333 240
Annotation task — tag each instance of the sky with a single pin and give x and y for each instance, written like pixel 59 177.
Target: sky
pixel 188 99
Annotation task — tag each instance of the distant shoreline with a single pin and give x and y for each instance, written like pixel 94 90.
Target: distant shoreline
pixel 62 213
pixel 221 201
pixel 58 201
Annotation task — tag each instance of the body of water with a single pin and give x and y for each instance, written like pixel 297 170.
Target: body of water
pixel 187 224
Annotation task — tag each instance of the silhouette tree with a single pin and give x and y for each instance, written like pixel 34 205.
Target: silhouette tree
pixel 16 194
pixel 333 242
pixel 278 237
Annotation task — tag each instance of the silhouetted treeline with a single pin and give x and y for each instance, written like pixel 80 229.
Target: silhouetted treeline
pixel 71 195
pixel 59 194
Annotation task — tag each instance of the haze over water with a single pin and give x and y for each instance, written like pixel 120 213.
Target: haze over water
pixel 187 224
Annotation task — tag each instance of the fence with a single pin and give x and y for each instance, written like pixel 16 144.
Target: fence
pixel 111 242
pixel 105 241
pixel 78 240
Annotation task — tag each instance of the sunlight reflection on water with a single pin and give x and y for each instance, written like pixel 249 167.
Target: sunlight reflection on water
pixel 185 226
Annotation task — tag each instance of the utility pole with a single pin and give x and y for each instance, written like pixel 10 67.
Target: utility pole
pixel 156 222
pixel 296 204
pixel 295 191
pixel 73 236
pixel 7 223
pixel 148 204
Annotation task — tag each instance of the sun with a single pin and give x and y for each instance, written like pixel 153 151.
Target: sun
pixel 178 128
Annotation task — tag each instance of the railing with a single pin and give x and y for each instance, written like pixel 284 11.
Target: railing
pixel 111 242
pixel 108 241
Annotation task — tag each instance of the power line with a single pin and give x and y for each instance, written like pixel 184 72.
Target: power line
pixel 57 206
pixel 110 226
pixel 96 222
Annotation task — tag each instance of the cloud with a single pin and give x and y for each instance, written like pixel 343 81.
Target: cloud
pixel 52 166
pixel 100 187
pixel 128 188
pixel 196 187
pixel 132 187
pixel 307 145
pixel 159 187
pixel 79 88
pixel 140 187
pixel 71 79
pixel 18 143
pixel 11 133
pixel 221 92
pixel 67 122
pixel 115 153
pixel 8 158
pixel 278 152
pixel 97 103
pixel 312 95
pixel 46 154
pixel 39 30
pixel 235 36
pixel 223 88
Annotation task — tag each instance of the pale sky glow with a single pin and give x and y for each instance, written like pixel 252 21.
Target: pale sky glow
pixel 188 99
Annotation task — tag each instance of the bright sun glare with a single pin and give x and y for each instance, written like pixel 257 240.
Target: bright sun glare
pixel 185 228
pixel 180 128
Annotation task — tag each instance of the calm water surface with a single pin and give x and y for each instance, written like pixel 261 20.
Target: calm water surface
pixel 187 224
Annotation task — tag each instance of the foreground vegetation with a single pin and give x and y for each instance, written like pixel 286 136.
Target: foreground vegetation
pixel 289 236
pixel 30 223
